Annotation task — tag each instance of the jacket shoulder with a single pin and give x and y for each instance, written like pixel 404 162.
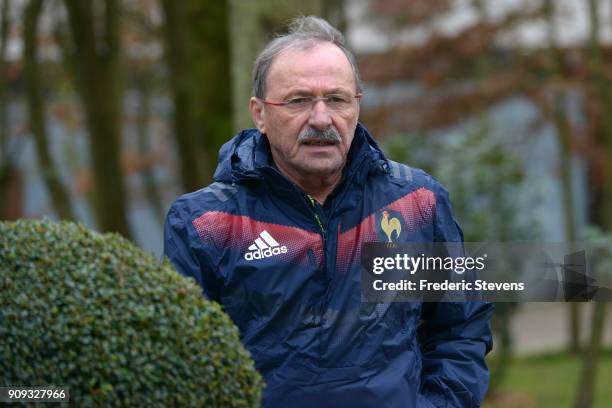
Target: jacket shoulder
pixel 415 176
pixel 214 197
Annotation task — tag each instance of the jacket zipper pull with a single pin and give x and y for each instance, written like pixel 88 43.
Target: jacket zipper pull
pixel 313 203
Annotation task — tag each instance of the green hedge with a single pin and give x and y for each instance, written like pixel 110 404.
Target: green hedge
pixel 94 313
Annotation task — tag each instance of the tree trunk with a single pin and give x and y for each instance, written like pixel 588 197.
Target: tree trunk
pixel 179 52
pixel 10 182
pixel 96 61
pixel 11 194
pixel 60 197
pixel 213 65
pixel 197 52
pixel 586 386
pixel 586 389
pixel 564 136
pixel 4 29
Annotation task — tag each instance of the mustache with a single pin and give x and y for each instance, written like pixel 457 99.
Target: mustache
pixel 310 134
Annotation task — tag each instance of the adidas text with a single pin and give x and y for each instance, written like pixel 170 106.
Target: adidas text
pixel 265 253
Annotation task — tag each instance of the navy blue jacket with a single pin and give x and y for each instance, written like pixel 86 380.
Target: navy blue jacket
pixel 287 271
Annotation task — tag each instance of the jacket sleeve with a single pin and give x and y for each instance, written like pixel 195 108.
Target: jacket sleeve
pixel 454 338
pixel 188 253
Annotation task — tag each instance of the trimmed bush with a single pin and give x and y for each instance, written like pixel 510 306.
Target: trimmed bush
pixel 94 313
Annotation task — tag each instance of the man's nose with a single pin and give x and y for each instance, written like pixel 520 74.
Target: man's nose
pixel 320 116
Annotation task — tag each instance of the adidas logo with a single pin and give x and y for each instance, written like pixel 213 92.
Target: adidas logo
pixel 264 247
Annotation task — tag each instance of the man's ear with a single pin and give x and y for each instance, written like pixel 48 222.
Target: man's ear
pixel 257 114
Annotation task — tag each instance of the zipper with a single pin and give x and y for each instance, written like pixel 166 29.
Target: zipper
pixel 315 209
pixel 320 310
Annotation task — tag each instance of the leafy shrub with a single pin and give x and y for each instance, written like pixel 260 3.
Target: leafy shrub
pixel 96 314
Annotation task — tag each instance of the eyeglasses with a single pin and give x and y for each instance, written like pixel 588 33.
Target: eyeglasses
pixel 334 102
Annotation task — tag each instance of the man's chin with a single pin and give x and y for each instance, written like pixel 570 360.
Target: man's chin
pixel 321 170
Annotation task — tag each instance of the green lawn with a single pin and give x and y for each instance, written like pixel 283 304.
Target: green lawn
pixel 550 381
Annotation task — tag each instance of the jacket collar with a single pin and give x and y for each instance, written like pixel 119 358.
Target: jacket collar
pixel 247 156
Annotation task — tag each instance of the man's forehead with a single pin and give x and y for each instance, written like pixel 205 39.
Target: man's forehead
pixel 323 63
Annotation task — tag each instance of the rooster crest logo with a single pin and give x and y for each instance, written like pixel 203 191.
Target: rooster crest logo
pixel 390 225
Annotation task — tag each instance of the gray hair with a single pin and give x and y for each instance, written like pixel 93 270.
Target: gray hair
pixel 305 33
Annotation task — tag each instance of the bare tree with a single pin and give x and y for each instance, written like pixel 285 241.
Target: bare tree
pixel 4 28
pixel 599 91
pixel 11 189
pixel 179 46
pixel 94 58
pixel 60 197
pixel 565 136
pixel 197 55
pixel 5 164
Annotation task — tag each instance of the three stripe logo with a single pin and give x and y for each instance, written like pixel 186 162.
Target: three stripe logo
pixel 264 241
pixel 264 247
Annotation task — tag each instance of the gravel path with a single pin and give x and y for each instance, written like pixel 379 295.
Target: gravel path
pixel 542 327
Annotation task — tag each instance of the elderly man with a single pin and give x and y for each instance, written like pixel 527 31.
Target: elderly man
pixel 276 239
